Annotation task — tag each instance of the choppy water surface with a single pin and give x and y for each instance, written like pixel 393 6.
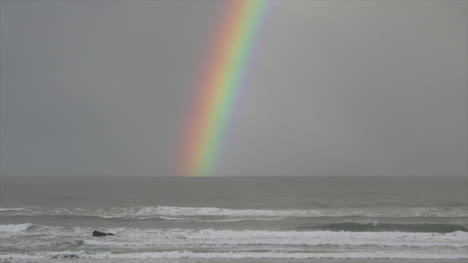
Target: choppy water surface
pixel 298 219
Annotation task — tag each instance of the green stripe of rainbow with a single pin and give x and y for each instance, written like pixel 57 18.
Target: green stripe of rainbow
pixel 220 85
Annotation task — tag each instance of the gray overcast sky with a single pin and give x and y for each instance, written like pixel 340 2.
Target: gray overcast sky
pixel 336 87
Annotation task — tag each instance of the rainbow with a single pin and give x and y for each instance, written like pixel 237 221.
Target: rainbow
pixel 220 85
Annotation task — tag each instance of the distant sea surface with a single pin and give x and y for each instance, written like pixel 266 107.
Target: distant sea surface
pixel 234 219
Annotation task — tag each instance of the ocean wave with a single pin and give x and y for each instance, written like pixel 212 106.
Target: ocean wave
pixel 210 237
pixel 12 209
pixel 231 255
pixel 195 213
pixel 13 228
pixel 72 240
pixel 379 227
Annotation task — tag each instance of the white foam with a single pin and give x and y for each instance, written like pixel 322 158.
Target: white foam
pixel 230 238
pixel 225 212
pixel 12 209
pixel 12 228
pixel 174 213
pixel 189 254
pixel 233 255
pixel 172 218
pixel 180 243
pixel 178 238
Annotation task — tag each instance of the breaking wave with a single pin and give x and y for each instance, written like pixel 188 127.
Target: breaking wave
pixel 378 227
pixel 13 228
pixel 126 237
pixel 11 209
pixel 43 243
pixel 179 213
pixel 220 255
pixel 212 237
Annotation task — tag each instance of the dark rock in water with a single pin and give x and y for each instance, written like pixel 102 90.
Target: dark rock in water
pixel 98 233
pixel 101 234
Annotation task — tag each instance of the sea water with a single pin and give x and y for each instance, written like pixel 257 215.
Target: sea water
pixel 234 219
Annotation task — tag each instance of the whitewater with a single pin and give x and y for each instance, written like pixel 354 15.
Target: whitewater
pixel 50 219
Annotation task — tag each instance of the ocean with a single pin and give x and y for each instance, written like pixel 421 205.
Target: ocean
pixel 234 219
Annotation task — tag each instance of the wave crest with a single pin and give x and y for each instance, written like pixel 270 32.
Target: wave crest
pixel 13 228
pixel 175 213
pixel 219 255
pixel 385 227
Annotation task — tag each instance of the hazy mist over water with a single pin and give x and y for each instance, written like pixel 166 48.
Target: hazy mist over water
pixel 242 192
